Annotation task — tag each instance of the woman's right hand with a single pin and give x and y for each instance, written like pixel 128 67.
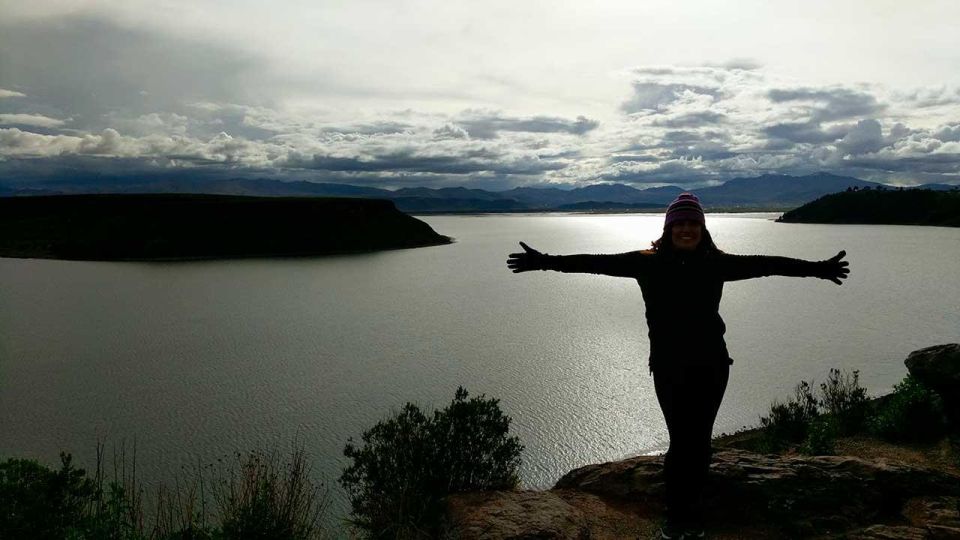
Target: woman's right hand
pixel 835 268
pixel 530 259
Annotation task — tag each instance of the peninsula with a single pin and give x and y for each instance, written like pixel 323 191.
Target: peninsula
pixel 152 227
pixel 881 207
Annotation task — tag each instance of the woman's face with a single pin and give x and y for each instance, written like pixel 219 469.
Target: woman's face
pixel 685 235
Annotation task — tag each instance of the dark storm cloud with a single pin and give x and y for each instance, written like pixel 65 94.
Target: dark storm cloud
pixel 487 127
pixel 653 96
pixel 84 68
pixel 829 104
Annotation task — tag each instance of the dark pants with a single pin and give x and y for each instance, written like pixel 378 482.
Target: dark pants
pixel 689 397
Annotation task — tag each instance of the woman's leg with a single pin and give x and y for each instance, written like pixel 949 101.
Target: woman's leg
pixel 689 397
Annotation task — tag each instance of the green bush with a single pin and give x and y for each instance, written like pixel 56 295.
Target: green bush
pixel 409 463
pixel 258 497
pixel 788 422
pixel 820 439
pixel 38 502
pixel 913 413
pixel 263 497
pixel 845 400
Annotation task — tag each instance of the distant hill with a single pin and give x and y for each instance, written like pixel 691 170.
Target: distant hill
pixel 882 207
pixel 769 191
pixel 778 190
pixel 614 206
pixel 177 226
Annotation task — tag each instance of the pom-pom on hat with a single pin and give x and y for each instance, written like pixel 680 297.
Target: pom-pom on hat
pixel 685 207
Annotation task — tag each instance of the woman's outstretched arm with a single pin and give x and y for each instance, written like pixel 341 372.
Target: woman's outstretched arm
pixel 737 267
pixel 620 265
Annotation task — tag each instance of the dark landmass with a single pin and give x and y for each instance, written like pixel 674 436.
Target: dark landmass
pixel 882 207
pixel 761 193
pixel 177 226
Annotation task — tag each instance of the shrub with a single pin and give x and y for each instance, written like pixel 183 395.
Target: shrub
pixel 259 497
pixel 409 463
pixel 845 400
pixel 38 502
pixel 789 422
pixel 263 497
pixel 913 413
pixel 821 436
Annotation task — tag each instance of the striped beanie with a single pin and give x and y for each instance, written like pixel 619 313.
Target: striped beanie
pixel 685 207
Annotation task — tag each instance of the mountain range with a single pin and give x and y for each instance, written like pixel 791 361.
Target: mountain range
pixel 769 191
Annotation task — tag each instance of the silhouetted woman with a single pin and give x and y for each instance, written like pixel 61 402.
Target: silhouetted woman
pixel 681 279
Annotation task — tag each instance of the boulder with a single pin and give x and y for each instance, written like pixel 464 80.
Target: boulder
pixel 938 368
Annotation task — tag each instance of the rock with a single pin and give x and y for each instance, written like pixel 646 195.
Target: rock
pixel 938 367
pixel 806 492
pixel 554 514
pixel 939 515
pixel 797 495
pixel 888 532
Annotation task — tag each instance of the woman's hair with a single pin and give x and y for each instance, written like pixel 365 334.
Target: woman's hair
pixel 664 244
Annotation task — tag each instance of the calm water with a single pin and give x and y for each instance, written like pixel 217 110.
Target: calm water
pixel 200 359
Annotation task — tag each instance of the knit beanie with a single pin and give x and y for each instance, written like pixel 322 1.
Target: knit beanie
pixel 685 207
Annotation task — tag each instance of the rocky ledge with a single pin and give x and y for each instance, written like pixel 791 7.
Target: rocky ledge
pixel 749 496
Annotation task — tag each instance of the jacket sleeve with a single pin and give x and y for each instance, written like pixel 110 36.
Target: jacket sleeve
pixel 630 264
pixel 737 267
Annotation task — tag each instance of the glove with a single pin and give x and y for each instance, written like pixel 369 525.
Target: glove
pixel 833 268
pixel 530 259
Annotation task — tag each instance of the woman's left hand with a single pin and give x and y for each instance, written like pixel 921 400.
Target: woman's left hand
pixel 835 268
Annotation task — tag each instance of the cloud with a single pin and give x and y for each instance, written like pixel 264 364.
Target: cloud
pixel 694 119
pixel 30 120
pixel 10 93
pixel 374 128
pixel 745 64
pixel 652 96
pixel 865 138
pixel 805 132
pixel 929 97
pixel 828 104
pixel 948 133
pixel 450 131
pixel 488 125
pixel 87 67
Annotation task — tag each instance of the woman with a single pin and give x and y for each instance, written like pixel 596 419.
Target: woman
pixel 681 279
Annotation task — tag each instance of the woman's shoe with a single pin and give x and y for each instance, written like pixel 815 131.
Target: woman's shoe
pixel 670 533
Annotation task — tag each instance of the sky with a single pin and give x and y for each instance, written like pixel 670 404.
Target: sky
pixel 494 94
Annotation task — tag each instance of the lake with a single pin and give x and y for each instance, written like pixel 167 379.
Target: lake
pixel 196 360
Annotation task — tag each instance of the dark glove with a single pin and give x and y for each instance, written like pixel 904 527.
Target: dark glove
pixel 530 259
pixel 833 268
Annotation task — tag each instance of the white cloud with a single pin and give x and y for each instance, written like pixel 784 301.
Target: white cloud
pixel 10 93
pixel 37 120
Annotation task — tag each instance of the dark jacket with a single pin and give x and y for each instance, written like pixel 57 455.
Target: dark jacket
pixel 682 294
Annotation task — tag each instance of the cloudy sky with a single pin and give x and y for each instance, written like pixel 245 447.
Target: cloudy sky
pixel 486 94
